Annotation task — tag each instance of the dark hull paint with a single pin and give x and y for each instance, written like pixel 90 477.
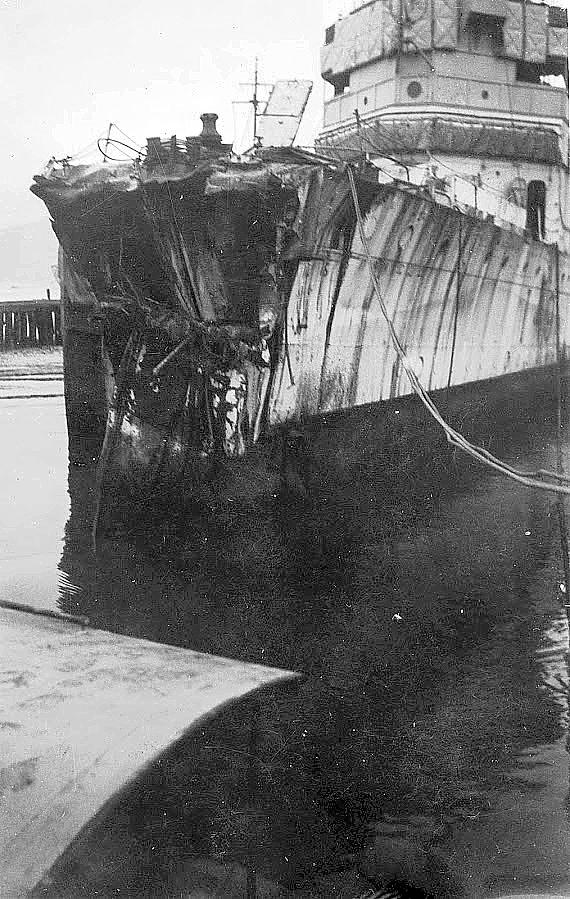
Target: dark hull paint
pixel 312 467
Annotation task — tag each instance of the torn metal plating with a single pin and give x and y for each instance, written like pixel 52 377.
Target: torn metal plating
pixel 186 269
pixel 249 288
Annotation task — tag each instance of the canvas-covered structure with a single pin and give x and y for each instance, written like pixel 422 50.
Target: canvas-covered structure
pixel 532 32
pixel 435 134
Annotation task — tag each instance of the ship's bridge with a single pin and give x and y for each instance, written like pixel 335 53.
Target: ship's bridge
pixel 486 60
pixel 482 84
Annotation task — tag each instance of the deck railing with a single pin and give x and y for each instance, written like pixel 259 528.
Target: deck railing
pixel 32 323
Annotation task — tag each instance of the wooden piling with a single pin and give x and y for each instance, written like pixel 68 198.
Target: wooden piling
pixel 33 323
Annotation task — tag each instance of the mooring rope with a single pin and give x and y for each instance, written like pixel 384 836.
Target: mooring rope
pixel 454 437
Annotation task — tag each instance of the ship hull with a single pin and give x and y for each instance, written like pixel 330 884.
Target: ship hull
pixel 314 474
pixel 259 326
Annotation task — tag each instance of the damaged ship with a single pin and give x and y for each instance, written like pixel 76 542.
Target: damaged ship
pixel 238 324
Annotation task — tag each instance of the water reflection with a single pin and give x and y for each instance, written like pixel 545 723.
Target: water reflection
pixel 33 497
pixel 428 737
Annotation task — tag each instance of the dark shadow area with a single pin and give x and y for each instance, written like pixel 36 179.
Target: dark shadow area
pixel 416 598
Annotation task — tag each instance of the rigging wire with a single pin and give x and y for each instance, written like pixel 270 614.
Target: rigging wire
pixel 426 266
pixel 484 185
pixel 85 150
pixel 560 505
pixel 118 144
pixel 104 202
pixel 454 437
pixel 458 285
pixel 371 143
pixel 392 139
pixel 128 137
pixel 563 221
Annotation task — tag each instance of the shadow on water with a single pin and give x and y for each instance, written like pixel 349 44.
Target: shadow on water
pixel 420 610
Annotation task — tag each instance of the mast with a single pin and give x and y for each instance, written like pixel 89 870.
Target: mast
pixel 255 101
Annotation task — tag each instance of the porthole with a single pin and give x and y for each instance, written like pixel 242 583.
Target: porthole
pixel 485 95
pixel 365 101
pixel 414 89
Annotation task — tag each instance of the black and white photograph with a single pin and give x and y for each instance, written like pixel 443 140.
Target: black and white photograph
pixel 285 449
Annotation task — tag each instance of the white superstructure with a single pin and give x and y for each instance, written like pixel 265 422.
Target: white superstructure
pixel 468 97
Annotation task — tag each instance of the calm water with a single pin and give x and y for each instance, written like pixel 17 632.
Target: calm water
pixel 432 723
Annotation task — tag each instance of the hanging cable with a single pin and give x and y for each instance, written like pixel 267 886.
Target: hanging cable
pixel 561 509
pixel 379 150
pixel 455 438
pixel 458 284
pixel 429 267
pixel 563 221
pixel 130 139
pixel 118 144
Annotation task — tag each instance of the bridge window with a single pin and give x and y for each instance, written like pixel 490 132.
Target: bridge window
pixel 485 35
pixel 528 72
pixel 536 209
pixel 553 72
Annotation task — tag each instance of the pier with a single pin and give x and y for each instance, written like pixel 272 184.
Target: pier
pixel 32 323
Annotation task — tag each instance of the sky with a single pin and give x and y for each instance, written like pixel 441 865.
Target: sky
pixel 70 67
